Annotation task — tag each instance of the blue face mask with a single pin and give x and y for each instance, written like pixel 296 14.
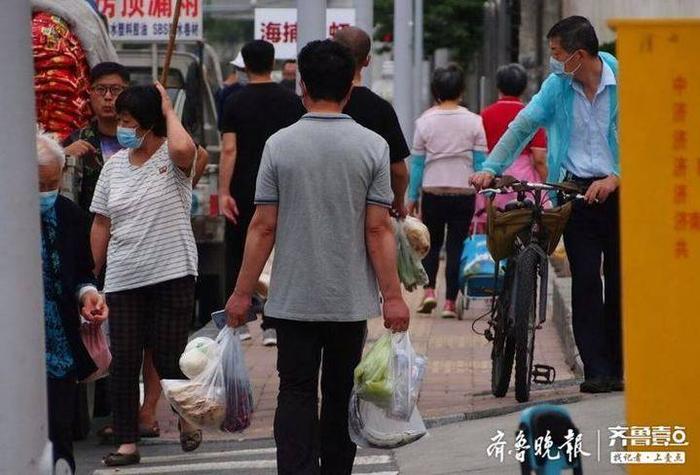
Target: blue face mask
pixel 127 137
pixel 558 67
pixel 47 199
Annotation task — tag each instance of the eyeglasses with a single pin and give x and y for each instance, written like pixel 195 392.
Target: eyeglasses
pixel 102 90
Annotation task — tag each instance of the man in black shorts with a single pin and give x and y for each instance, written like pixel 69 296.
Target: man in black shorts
pixel 371 111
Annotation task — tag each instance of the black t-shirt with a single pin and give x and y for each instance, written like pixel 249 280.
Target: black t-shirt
pixel 254 113
pixel 371 111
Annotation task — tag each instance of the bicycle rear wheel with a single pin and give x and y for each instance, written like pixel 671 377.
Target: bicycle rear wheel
pixel 525 314
pixel 503 350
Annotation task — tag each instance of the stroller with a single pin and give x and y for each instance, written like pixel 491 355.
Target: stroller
pixel 478 279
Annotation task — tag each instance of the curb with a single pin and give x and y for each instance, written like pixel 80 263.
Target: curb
pixel 433 422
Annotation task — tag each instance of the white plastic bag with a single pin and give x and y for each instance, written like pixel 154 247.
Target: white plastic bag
pixel 207 401
pixel 411 271
pixel 382 411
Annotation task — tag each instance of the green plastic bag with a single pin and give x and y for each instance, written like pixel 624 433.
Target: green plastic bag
pixel 373 374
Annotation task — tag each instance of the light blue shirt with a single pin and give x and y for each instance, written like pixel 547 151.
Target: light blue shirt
pixel 553 108
pixel 589 152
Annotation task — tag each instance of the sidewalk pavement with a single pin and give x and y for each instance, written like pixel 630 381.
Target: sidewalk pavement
pixel 457 384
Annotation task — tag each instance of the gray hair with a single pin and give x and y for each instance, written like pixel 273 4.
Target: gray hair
pixel 48 150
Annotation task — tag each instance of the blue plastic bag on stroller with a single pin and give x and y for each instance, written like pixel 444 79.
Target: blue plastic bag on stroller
pixel 477 270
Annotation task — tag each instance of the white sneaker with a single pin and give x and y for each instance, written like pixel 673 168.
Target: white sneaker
pixel 270 337
pixel 244 332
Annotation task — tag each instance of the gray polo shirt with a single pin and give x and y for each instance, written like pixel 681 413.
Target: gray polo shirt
pixel 323 172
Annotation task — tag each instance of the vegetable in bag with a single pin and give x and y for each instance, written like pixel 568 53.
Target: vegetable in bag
pixel 372 375
pixel 211 400
pixel 382 411
pixel 411 271
pixel 197 355
pixel 418 236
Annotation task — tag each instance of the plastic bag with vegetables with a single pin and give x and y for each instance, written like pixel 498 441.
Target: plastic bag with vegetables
pixel 413 243
pixel 213 399
pixel 382 411
pixel 372 375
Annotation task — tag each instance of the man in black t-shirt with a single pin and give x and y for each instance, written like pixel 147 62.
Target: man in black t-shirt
pixel 251 115
pixel 371 111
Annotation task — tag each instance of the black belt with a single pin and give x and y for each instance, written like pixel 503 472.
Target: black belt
pixel 580 181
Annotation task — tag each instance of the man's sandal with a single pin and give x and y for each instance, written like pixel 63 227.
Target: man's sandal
pixel 120 460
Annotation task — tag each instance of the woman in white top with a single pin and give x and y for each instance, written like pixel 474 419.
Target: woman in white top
pixel 142 230
pixel 449 143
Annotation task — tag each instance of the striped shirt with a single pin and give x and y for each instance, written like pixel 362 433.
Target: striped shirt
pixel 149 207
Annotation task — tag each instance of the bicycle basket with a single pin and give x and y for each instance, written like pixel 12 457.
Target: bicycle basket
pixel 554 221
pixel 503 227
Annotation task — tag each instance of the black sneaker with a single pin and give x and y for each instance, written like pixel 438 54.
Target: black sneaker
pixel 595 385
pixel 616 384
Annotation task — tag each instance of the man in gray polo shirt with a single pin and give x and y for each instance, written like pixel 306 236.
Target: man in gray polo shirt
pixel 323 197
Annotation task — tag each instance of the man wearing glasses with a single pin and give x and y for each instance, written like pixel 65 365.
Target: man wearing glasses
pixel 96 143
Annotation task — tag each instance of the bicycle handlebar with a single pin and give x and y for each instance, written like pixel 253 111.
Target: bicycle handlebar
pixel 525 186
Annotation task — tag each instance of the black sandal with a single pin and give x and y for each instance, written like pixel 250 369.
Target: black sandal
pixel 189 441
pixel 120 460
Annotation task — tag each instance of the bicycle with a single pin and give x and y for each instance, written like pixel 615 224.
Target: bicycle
pixel 520 308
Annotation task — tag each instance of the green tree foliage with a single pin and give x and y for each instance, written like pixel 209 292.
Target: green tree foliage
pixel 453 24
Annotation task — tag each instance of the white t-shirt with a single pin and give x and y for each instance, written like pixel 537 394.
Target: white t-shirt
pixel 149 207
pixel 448 137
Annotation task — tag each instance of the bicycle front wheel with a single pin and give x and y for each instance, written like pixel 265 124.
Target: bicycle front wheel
pixel 525 305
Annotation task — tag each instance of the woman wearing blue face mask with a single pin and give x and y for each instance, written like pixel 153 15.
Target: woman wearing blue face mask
pixel 69 286
pixel 142 232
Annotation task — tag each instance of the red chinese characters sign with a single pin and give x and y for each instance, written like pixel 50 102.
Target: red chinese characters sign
pixel 279 27
pixel 150 20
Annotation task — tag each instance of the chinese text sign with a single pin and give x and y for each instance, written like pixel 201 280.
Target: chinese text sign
pixel 150 20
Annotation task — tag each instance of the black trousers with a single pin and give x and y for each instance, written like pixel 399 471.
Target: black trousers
pixel 160 314
pixel 593 232
pixel 61 396
pixel 236 235
pixel 453 212
pixel 302 349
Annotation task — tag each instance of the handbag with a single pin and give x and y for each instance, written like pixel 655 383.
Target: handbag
pixel 96 345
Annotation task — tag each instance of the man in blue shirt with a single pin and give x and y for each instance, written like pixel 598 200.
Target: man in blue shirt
pixel 577 104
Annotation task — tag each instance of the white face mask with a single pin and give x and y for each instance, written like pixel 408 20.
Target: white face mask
pixel 559 67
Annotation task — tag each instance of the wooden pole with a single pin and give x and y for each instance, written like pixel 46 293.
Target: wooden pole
pixel 171 44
